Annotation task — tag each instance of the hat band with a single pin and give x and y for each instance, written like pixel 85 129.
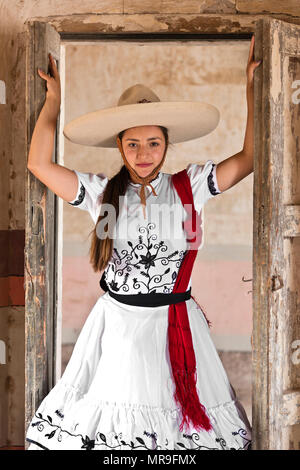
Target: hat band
pixel 144 101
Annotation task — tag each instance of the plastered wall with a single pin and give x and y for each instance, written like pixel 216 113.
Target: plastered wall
pixel 213 72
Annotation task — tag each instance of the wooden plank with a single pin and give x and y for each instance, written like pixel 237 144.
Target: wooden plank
pixel 276 260
pixel 261 284
pixel 166 23
pixel 268 6
pixel 40 233
pixel 289 36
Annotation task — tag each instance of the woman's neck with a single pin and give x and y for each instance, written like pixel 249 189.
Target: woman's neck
pixel 150 180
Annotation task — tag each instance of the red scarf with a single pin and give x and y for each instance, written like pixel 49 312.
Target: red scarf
pixel 181 349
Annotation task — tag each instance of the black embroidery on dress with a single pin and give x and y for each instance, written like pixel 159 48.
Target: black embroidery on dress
pixel 114 441
pixel 210 181
pixel 80 196
pixel 37 444
pixel 58 412
pixel 144 263
pixel 153 434
pixel 219 440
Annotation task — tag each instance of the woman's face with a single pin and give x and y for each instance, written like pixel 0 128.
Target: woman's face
pixel 143 145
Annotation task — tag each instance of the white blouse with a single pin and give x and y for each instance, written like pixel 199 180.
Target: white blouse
pixel 147 253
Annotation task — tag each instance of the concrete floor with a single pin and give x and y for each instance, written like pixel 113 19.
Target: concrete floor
pixel 237 365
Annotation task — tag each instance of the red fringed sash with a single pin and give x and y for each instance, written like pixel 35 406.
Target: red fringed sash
pixel 182 356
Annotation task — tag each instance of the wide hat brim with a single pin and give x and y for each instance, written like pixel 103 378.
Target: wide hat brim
pixel 185 120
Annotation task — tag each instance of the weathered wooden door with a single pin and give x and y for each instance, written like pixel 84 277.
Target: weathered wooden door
pixel 40 237
pixel 276 238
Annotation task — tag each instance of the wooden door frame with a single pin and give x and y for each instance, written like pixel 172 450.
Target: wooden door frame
pixel 276 224
pixel 42 278
pixel 99 28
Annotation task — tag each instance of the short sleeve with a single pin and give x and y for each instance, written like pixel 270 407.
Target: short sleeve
pixel 89 191
pixel 203 182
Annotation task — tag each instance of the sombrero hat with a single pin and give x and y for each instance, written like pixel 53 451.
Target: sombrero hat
pixel 140 106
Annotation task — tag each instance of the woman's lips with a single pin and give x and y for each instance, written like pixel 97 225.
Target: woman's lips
pixel 144 164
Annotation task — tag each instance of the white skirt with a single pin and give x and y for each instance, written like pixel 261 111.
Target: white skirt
pixel 117 390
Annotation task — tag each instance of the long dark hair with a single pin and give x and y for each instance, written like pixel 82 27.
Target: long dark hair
pixel 101 249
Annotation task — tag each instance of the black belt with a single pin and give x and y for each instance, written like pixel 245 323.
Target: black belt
pixel 154 299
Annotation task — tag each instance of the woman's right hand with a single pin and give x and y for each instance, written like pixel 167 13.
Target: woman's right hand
pixel 53 95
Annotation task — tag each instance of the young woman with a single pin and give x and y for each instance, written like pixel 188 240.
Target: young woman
pixel 144 373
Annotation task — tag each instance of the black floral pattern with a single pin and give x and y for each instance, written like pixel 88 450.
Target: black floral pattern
pixel 145 264
pixel 80 196
pixel 148 441
pixel 210 182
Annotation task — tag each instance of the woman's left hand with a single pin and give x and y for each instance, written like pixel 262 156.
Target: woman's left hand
pixel 251 65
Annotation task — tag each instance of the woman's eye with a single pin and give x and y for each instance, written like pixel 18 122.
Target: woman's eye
pixel 133 145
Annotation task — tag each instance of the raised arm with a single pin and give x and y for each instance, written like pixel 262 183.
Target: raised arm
pixel 61 180
pixel 233 169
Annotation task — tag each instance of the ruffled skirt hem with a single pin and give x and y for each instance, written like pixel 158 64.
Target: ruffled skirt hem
pixel 68 419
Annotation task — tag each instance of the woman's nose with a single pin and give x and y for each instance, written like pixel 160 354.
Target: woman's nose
pixel 142 151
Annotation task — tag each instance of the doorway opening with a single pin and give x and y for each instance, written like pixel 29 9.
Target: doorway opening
pixel 210 70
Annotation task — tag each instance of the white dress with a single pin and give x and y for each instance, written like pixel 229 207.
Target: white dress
pixel 117 390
